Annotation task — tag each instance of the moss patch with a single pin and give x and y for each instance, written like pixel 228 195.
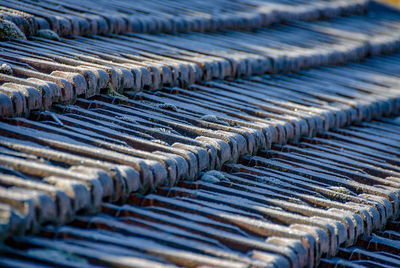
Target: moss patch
pixel 8 30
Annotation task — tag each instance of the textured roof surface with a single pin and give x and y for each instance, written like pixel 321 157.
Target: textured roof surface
pixel 225 133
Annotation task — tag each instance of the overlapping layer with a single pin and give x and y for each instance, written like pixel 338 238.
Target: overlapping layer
pixel 109 147
pixel 92 123
pixel 45 72
pixel 285 207
pixel 90 17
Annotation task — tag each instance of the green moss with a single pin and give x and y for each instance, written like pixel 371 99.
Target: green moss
pixel 9 30
pixel 48 34
pixel 111 92
pixel 6 69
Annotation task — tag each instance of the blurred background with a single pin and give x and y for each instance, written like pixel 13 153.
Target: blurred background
pixel 394 2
